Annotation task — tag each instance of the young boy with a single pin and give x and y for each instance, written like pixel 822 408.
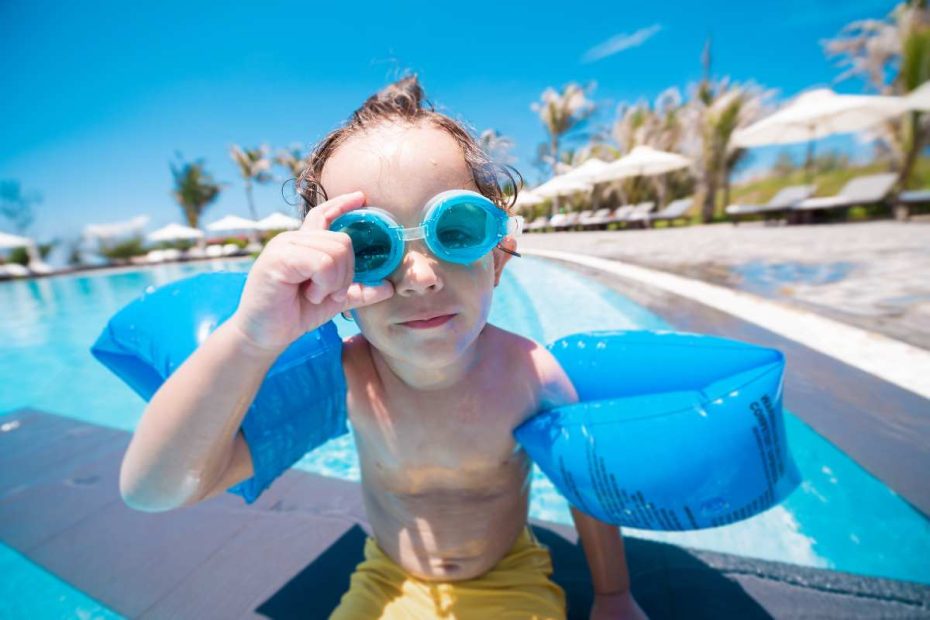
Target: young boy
pixel 434 392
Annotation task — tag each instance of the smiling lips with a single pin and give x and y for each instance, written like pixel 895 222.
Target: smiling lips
pixel 435 321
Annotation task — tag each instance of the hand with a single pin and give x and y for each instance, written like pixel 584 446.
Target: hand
pixel 616 606
pixel 302 279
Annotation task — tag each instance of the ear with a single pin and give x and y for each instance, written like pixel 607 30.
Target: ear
pixel 501 258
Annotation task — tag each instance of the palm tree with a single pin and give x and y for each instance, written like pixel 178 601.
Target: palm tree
pixel 254 166
pixel 873 49
pixel 562 113
pixel 496 146
pixel 194 189
pixel 659 126
pixel 291 159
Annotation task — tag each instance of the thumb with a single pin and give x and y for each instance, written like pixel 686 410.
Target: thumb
pixel 360 295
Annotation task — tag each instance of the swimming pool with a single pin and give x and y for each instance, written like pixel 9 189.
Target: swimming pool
pixel 840 518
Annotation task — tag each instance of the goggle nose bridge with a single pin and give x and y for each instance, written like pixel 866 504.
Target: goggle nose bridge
pixel 412 234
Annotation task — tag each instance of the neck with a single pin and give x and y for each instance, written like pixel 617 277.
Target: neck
pixel 428 376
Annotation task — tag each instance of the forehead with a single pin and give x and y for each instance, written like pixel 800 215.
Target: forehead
pixel 399 166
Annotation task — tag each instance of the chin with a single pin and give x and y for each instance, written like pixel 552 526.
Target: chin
pixel 439 347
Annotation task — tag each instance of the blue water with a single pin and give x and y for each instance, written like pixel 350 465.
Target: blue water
pixel 841 517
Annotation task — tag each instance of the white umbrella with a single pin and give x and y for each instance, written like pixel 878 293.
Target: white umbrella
pixel 232 222
pixel 587 171
pixel 919 99
pixel 8 241
pixel 817 114
pixel 116 229
pixel 278 221
pixel 526 198
pixel 561 185
pixel 642 161
pixel 174 232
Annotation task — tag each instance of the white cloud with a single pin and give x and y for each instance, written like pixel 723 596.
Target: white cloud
pixel 620 42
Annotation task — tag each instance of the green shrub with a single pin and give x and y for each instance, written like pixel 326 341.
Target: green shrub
pixel 122 250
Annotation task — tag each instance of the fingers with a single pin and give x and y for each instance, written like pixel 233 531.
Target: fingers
pixel 322 216
pixel 361 295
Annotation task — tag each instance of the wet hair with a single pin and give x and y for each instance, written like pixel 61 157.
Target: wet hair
pixel 405 101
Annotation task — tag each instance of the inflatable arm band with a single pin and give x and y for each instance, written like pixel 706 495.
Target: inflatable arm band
pixel 299 406
pixel 672 431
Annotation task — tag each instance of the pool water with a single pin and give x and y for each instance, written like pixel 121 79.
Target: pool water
pixel 840 518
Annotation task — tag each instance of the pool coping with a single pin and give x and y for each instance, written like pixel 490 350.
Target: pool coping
pixel 878 423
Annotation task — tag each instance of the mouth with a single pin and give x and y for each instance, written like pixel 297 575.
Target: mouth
pixel 426 323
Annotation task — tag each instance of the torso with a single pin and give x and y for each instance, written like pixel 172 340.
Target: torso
pixel 445 486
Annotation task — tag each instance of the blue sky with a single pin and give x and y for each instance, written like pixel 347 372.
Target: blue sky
pixel 97 99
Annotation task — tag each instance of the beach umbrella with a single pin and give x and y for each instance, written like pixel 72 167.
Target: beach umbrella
pixel 116 229
pixel 175 232
pixel 8 241
pixel 817 114
pixel 642 161
pixel 278 221
pixel 919 99
pixel 587 171
pixel 561 185
pixel 526 198
pixel 232 222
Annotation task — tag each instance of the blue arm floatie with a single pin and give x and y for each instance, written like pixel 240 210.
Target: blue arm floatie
pixel 299 406
pixel 672 431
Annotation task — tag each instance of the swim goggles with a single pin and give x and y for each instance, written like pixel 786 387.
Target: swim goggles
pixel 459 226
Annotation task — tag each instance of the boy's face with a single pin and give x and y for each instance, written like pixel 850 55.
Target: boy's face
pixel 400 167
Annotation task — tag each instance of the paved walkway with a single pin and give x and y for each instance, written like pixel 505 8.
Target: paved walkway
pixel 873 275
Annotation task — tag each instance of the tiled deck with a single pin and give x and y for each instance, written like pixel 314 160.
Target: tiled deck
pixel 291 553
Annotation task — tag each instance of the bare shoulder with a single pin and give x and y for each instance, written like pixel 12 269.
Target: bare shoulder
pixel 541 367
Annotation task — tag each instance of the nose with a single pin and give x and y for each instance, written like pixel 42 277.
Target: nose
pixel 419 273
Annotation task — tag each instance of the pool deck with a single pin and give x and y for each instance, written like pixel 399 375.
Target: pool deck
pixel 290 554
pixel 872 275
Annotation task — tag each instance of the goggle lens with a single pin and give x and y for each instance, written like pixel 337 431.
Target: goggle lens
pixel 462 226
pixel 371 243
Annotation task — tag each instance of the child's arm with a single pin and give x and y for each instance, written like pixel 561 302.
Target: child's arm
pixel 187 446
pixel 602 543
pixel 603 548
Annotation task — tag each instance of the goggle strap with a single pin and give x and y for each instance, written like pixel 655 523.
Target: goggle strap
pixel 511 252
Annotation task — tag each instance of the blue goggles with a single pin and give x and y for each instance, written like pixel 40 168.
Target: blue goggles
pixel 459 226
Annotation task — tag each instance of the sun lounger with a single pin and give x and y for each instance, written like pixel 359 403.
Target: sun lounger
pixel 586 219
pixel 777 207
pixel 565 220
pixel 13 270
pixel 37 267
pixel 538 224
pixel 906 200
pixel 640 214
pixel 675 210
pixel 600 218
pixel 155 256
pixel 230 249
pixel 621 214
pixel 214 251
pixel 864 191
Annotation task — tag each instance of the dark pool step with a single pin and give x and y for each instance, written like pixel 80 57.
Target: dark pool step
pixel 291 553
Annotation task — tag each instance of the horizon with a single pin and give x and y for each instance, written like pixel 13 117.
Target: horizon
pixel 102 100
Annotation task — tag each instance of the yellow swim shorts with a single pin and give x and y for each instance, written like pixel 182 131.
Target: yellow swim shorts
pixel 517 587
